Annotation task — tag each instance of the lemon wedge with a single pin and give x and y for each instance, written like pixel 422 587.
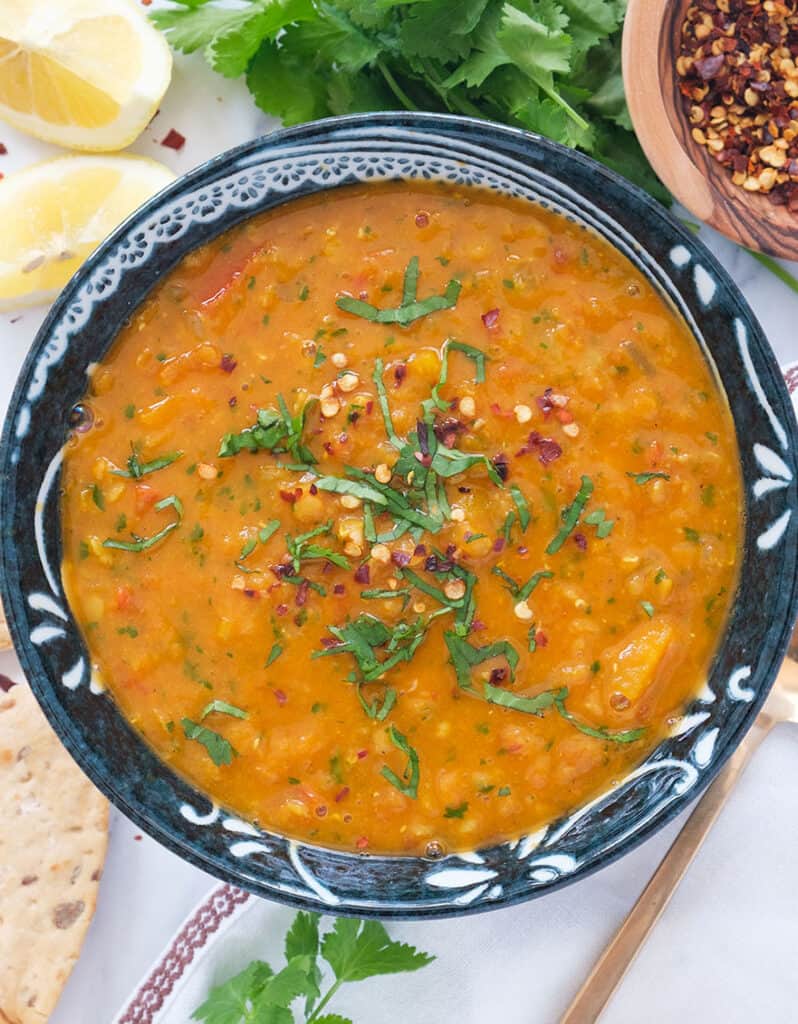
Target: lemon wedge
pixel 56 213
pixel 87 74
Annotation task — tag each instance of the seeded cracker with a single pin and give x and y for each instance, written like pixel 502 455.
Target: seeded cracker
pixel 53 837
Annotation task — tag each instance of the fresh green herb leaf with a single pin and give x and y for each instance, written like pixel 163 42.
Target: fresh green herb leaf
pixel 223 708
pixel 516 702
pixel 274 654
pixel 143 543
pixel 411 309
pixel 319 358
pixel 644 478
pixel 130 411
pixel 137 469
pixel 524 516
pixel 692 535
pixel 648 608
pixel 357 950
pixel 268 531
pixel 220 750
pixel 456 812
pixel 97 497
pixel 408 783
pixel 571 515
pixel 626 736
pixel 466 657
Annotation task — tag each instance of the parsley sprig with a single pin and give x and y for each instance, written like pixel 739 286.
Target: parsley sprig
pixel 350 951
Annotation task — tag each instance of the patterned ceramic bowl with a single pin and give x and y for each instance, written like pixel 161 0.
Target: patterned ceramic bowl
pixel 264 174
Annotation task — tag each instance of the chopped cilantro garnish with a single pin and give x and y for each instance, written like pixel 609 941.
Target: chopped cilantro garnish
pixel 220 750
pixel 408 783
pixel 456 812
pixel 643 478
pixel 598 518
pixel 143 543
pixel 137 469
pixel 274 654
pixel 276 431
pixel 411 308
pixel 521 504
pixel 223 708
pixel 570 515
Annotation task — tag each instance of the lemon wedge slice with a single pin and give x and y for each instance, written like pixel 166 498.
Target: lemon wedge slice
pixel 56 213
pixel 87 74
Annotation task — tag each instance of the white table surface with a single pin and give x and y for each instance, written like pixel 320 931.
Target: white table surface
pixel 725 950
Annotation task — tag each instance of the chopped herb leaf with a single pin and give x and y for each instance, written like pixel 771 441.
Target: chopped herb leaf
pixel 410 309
pixel 522 506
pixel 570 515
pixel 97 497
pixel 648 608
pixel 274 654
pixel 626 736
pixel 643 478
pixel 223 708
pixel 516 702
pixel 319 358
pixel 456 812
pixel 692 535
pixel 220 750
pixel 143 543
pixel 137 469
pixel 408 784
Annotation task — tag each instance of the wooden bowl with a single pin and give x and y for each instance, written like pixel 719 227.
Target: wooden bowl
pixel 651 44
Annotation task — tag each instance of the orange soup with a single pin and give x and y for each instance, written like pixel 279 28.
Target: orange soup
pixel 404 519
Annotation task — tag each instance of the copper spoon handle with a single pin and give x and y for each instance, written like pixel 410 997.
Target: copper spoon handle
pixel 617 958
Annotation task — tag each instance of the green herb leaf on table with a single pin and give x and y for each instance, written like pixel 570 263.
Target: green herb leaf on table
pixel 357 950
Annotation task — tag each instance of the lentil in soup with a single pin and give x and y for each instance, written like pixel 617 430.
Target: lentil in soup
pixel 407 518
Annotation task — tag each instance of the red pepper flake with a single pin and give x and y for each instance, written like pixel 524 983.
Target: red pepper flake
pixel 302 592
pixel 250 593
pixel 281 697
pixel 498 676
pixel 546 448
pixel 363 574
pixel 420 550
pixel 339 588
pixel 3 149
pixel 362 843
pixel 138 838
pixel 328 447
pixel 342 794
pixel 291 496
pixel 497 410
pixel 369 407
pixel 399 373
pixel 314 489
pixel 173 140
pixel 400 558
pixel 541 639
pixel 501 465
pixel 491 318
pixel 321 811
pixel 422 219
pixel 581 541
pixel 361 754
pixel 6 684
pixel 228 363
pixel 498 544
pixel 232 401
pixel 343 438
pixel 281 609
pixel 545 403
pixel 477 626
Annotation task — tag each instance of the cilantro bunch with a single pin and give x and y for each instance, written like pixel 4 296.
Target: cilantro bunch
pixel 354 950
pixel 550 66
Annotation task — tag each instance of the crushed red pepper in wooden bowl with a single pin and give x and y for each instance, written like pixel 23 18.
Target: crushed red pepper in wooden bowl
pixel 739 83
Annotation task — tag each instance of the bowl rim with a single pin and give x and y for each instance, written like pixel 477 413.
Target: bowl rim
pixel 318 132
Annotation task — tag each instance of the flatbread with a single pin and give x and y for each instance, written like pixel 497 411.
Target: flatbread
pixel 53 838
pixel 5 636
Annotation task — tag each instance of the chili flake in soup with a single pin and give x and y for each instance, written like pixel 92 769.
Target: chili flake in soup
pixel 405 518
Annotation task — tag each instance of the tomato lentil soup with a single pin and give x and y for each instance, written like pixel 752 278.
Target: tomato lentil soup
pixel 403 519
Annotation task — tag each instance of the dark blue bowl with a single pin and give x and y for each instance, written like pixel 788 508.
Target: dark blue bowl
pixel 275 170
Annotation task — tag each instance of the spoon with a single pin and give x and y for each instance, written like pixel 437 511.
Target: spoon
pixel 611 967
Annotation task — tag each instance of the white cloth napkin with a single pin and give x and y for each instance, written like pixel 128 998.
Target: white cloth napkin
pixel 724 952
